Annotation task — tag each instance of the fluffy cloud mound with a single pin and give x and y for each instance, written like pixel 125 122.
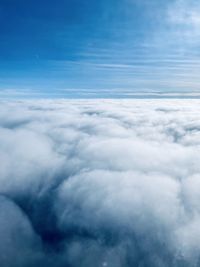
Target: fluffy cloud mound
pixel 100 183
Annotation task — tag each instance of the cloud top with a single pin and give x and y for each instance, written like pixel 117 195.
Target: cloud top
pixel 100 183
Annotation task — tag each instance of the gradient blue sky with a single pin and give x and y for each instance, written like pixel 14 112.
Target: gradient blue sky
pixel 107 48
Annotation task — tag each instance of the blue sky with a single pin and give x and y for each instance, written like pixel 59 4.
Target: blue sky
pixel 107 48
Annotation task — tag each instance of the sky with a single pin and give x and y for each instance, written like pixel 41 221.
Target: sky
pixel 107 48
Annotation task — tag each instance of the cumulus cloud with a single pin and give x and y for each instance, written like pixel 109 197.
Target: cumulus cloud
pixel 100 183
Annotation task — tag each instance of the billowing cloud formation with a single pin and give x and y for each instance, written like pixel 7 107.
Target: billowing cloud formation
pixel 100 183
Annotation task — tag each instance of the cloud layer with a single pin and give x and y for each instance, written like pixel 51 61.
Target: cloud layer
pixel 100 183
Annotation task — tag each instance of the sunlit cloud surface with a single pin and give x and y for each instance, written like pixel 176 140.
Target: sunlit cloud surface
pixel 100 183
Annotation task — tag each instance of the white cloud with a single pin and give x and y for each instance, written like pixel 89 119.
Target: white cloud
pixel 100 182
pixel 185 13
pixel 183 17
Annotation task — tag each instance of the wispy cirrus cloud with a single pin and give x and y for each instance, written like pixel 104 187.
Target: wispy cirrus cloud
pixel 184 17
